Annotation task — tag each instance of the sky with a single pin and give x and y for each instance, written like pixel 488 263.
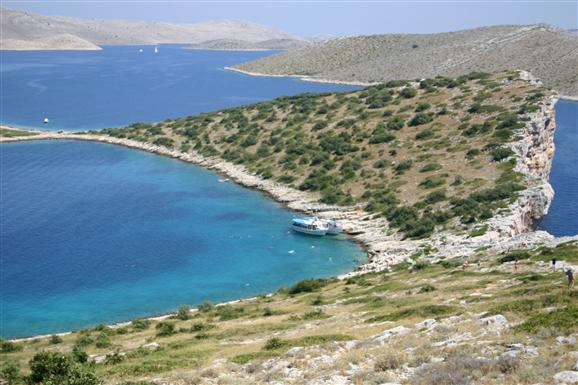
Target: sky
pixel 321 17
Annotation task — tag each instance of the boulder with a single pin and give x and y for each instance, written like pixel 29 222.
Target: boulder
pixel 566 377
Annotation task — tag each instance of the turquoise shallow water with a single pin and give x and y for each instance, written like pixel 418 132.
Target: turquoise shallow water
pixel 96 233
pixel 120 85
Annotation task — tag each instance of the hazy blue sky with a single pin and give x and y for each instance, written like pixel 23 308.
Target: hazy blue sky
pixel 324 17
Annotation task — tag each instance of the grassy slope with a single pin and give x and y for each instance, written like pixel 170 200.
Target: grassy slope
pixel 423 160
pixel 255 330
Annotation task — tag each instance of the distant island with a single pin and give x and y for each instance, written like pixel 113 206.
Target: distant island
pixel 29 31
pixel 547 52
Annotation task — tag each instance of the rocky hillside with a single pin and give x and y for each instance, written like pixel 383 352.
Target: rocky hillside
pixel 55 42
pixel 427 321
pixel 547 52
pixel 22 28
pixel 233 44
pixel 432 156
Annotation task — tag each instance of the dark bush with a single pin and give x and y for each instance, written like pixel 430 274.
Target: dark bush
pixel 275 343
pixel 408 92
pixel 165 329
pixel 420 118
pixel 184 312
pixel 307 286
pixel 403 166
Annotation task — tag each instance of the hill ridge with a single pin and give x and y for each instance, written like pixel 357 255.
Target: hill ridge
pixel 546 51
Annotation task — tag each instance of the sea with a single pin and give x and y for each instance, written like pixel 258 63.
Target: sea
pixel 562 217
pixel 94 233
pixel 120 85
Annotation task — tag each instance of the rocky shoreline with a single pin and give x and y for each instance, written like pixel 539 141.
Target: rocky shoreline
pixel 304 78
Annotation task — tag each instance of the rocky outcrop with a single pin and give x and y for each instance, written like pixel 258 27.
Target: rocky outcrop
pixel 534 152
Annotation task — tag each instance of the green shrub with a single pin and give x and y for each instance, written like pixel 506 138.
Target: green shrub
pixel 51 368
pixel 396 123
pixel 422 107
pixel 83 340
pixel 275 344
pixel 165 328
pixel 408 92
pixel 140 324
pixel 436 196
pixel 10 372
pixel 9 346
pixel 228 312
pixel 184 313
pixel 432 182
pixel 201 326
pixel 55 339
pixel 431 167
pixel 427 288
pixel 164 141
pixel 425 134
pixel 403 166
pixel 563 320
pixel 516 254
pixel 205 307
pixel 316 314
pixel 102 341
pixel 501 153
pixel 420 118
pixel 479 231
pixel 307 286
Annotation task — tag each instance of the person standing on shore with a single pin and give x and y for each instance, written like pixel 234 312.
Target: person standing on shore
pixel 571 278
pixel 516 265
pixel 553 261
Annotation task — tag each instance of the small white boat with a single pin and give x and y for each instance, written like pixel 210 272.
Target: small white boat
pixel 140 50
pixel 310 225
pixel 46 121
pixel 223 180
pixel 156 49
pixel 333 227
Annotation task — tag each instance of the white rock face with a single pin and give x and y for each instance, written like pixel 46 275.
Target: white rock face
pixel 566 377
pixel 383 336
pixel 495 323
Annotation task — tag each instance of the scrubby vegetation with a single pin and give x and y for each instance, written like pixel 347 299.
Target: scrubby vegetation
pixel 384 147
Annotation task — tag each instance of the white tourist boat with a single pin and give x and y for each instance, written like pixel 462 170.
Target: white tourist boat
pixel 310 225
pixel 156 49
pixel 46 120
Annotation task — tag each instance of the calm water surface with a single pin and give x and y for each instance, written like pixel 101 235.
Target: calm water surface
pixel 96 233
pixel 562 218
pixel 120 85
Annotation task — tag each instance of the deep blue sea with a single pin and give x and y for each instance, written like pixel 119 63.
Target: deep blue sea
pixel 96 233
pixel 120 85
pixel 562 218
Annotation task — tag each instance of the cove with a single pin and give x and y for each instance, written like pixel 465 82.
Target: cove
pixel 96 233
pixel 562 217
pixel 120 85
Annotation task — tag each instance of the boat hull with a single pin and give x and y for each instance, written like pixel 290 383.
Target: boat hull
pixel 316 232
